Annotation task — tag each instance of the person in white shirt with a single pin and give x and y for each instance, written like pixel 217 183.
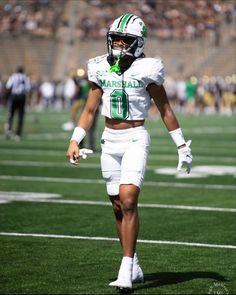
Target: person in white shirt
pixel 47 90
pixel 125 81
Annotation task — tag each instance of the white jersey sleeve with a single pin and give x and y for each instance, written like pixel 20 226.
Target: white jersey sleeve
pixel 155 72
pixel 93 67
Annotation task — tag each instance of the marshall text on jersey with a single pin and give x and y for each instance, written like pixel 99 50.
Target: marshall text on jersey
pixel 125 96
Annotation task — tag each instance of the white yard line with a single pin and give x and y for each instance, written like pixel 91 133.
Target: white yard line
pixel 47 164
pixel 14 196
pixel 83 165
pixel 152 156
pixel 100 181
pixel 197 130
pixel 100 203
pixel 115 239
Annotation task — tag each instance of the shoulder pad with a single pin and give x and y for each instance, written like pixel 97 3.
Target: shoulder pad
pixel 97 59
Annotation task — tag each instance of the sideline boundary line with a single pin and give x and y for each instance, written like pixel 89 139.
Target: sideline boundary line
pixel 116 240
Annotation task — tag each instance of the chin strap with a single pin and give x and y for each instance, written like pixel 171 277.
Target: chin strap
pixel 115 68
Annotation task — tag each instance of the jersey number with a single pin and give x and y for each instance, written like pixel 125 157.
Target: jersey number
pixel 119 104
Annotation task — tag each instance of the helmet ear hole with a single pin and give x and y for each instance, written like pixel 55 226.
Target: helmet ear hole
pixel 140 42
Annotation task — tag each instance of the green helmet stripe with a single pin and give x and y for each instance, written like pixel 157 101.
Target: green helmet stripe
pixel 123 21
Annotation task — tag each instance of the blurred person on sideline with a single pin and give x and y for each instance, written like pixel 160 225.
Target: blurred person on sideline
pixel 229 97
pixel 181 94
pixel 91 136
pixel 80 94
pixel 78 101
pixel 191 88
pixel 69 90
pixel 18 86
pixel 59 94
pixel 125 81
pixel 47 91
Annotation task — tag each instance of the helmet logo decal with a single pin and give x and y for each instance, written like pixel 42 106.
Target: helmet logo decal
pixel 144 31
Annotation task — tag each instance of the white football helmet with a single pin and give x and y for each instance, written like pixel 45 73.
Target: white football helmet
pixel 133 29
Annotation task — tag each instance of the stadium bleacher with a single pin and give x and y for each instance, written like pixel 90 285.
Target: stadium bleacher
pixel 67 33
pixel 43 33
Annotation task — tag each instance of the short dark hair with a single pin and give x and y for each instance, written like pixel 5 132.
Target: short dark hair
pixel 20 69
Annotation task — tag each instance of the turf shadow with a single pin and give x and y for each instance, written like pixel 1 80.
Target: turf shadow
pixel 158 279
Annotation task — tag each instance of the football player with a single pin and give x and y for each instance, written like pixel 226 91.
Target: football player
pixel 126 81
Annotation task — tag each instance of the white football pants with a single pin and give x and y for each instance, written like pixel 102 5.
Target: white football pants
pixel 124 157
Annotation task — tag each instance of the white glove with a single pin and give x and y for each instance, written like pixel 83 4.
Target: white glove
pixel 83 153
pixel 185 157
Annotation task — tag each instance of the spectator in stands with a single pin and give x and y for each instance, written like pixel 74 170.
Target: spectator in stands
pixel 33 17
pixel 18 86
pixel 167 20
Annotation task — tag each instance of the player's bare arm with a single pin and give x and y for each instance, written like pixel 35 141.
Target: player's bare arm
pixel 93 101
pixel 85 122
pixel 159 96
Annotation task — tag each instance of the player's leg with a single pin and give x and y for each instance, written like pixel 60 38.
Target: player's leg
pixel 130 223
pixel 76 104
pixel 115 201
pixel 21 113
pixel 110 166
pixel 137 273
pixel 133 154
pixel 133 169
pixel 10 116
pixel 111 173
pixel 128 231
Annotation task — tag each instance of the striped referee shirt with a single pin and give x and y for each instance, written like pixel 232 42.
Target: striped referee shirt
pixel 19 84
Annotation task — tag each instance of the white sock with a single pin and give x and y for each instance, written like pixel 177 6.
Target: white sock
pixel 126 267
pixel 135 265
pixel 135 261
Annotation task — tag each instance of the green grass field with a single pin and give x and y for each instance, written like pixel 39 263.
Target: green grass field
pixel 53 240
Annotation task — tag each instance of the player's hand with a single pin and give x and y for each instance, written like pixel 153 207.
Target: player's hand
pixel 185 157
pixel 73 152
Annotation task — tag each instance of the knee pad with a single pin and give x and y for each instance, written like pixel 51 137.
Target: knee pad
pixel 113 189
pixel 112 179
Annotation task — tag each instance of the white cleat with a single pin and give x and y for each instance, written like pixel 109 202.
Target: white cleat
pixel 137 276
pixel 121 283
